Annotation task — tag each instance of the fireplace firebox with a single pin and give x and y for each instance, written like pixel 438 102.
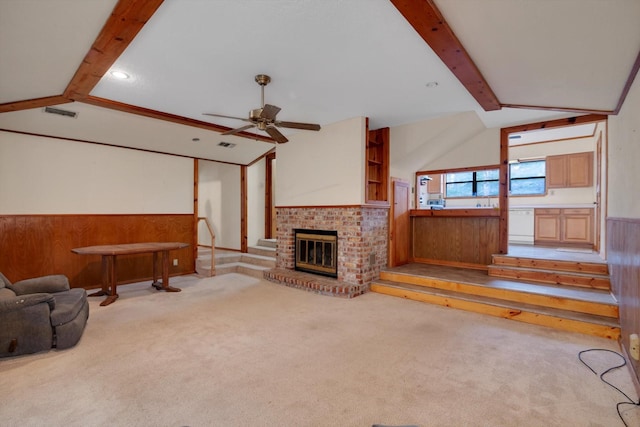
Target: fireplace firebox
pixel 316 251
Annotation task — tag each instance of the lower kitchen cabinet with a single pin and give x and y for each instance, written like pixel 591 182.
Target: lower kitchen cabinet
pixel 563 226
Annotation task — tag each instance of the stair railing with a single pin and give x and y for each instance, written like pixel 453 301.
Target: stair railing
pixel 213 244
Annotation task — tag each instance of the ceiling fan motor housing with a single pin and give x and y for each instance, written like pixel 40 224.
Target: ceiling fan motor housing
pixel 263 79
pixel 255 114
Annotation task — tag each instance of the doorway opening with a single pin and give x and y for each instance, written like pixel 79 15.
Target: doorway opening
pixel 554 176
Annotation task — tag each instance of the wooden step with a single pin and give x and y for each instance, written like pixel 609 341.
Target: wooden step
pixel 586 280
pixel 549 264
pixel 601 326
pixel 590 301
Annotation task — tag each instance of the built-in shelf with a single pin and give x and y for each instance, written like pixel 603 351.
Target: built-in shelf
pixel 377 167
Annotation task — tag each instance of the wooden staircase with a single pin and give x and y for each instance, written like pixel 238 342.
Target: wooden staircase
pixel 566 295
pixel 570 273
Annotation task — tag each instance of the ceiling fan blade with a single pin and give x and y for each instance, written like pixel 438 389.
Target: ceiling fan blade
pixel 226 117
pixel 269 112
pixel 240 129
pixel 276 135
pixel 296 125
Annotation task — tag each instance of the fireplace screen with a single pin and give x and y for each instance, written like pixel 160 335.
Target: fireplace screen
pixel 317 251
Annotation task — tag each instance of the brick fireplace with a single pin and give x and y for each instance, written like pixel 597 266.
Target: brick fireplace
pixel 316 251
pixel 362 239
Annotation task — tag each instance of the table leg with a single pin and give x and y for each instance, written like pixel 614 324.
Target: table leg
pixel 108 280
pixel 113 295
pixel 155 268
pixel 105 278
pixel 164 286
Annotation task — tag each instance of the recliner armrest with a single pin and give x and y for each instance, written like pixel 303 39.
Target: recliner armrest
pixel 48 284
pixel 22 301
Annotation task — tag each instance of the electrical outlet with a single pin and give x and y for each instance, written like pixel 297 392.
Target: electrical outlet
pixel 634 346
pixel 175 262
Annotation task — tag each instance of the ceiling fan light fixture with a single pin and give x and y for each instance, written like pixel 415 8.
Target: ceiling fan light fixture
pixel 121 75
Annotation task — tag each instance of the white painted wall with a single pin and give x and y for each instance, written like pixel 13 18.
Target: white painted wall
pixel 624 154
pixel 219 202
pixel 323 168
pixel 40 175
pixel 255 201
pixel 454 141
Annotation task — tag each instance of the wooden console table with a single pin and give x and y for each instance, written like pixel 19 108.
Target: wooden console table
pixel 109 254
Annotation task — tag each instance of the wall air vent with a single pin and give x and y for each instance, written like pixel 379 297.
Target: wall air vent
pixel 226 144
pixel 60 112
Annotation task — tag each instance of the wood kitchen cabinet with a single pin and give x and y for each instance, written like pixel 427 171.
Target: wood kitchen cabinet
pixel 546 226
pixel 564 226
pixel 377 167
pixel 434 186
pixel 570 170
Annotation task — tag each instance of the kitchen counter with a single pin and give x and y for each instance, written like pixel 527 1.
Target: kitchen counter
pixel 456 212
pixel 555 206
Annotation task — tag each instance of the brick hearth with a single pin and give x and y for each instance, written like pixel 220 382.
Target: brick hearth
pixel 314 283
pixel 362 243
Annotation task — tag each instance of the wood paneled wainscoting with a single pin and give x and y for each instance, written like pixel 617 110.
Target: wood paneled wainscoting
pixel 623 247
pixel 36 245
pixel 455 237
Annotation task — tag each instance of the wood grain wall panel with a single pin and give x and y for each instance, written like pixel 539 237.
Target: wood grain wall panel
pixel 623 249
pixel 36 245
pixel 462 240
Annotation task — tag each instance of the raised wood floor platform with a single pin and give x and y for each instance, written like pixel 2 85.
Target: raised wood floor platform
pixel 583 309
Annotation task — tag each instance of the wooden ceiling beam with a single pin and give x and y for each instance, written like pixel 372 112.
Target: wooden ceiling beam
pixel 561 109
pixel 549 124
pixel 28 104
pixel 146 112
pixel 126 20
pixel 426 19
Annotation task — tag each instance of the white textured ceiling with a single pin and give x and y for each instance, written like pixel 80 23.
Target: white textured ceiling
pixel 42 43
pixel 329 60
pixel 555 53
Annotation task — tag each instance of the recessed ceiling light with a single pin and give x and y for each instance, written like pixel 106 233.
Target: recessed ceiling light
pixel 226 144
pixel 195 139
pixel 431 84
pixel 119 74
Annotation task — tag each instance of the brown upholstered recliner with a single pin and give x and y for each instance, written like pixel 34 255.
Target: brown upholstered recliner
pixel 39 314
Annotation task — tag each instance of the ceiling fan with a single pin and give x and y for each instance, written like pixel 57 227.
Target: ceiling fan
pixel 264 118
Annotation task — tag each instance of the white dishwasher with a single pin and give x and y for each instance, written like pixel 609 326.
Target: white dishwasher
pixel 521 226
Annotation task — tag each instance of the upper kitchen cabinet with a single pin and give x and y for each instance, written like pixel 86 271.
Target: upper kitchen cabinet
pixel 570 170
pixel 377 167
pixel 434 185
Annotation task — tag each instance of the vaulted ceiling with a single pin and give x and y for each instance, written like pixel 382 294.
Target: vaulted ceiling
pixel 394 61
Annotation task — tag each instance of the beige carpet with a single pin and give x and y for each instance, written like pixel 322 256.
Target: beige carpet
pixel 237 351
